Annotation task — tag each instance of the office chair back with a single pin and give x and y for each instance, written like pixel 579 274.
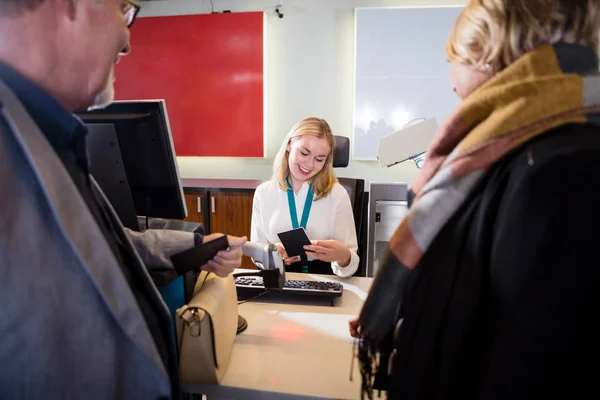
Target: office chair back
pixel 341 152
pixel 356 192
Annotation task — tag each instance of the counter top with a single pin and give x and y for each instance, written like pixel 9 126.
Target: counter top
pixel 293 349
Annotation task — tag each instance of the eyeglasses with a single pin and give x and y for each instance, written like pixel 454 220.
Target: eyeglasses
pixel 130 10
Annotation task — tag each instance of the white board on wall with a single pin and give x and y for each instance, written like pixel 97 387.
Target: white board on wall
pixel 401 72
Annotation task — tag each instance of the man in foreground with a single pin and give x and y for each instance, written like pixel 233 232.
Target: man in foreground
pixel 81 317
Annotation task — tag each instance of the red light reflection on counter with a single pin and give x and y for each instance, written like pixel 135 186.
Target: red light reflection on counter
pixel 289 332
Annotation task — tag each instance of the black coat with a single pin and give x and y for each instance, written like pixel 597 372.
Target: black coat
pixel 505 301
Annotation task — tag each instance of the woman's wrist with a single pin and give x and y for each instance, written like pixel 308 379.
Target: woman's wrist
pixel 346 260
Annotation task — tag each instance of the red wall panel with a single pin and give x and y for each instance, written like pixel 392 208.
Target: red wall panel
pixel 209 69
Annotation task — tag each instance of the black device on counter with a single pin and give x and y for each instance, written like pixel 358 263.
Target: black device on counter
pixel 248 286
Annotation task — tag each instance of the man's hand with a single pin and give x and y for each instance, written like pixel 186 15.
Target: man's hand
pixel 225 261
pixel 329 251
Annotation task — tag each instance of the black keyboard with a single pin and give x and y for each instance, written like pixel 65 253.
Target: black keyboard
pixel 253 285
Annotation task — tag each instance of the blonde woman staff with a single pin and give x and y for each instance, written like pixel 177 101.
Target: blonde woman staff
pixel 305 192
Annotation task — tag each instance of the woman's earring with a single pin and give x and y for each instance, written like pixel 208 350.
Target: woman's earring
pixel 486 67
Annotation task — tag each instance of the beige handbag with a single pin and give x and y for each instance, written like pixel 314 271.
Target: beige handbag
pixel 206 330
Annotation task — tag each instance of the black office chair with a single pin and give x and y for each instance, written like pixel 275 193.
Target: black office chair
pixel 358 197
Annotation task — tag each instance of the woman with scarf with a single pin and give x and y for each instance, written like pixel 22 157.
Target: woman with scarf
pixel 489 288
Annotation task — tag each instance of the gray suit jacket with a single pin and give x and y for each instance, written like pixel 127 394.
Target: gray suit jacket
pixel 70 327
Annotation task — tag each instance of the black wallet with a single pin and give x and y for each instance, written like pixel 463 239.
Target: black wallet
pixel 197 256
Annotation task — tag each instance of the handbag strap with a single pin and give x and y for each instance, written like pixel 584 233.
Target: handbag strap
pixel 199 283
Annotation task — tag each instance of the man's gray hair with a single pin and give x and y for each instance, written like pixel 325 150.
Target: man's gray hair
pixel 8 7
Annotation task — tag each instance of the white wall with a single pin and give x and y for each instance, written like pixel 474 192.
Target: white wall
pixel 310 71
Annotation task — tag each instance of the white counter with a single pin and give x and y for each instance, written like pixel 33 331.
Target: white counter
pixel 298 348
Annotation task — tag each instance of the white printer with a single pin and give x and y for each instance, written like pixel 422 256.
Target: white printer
pixel 408 143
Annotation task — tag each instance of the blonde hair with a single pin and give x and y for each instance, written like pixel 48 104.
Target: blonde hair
pixel 495 33
pixel 322 183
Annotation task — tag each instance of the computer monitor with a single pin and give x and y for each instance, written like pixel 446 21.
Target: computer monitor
pixel 133 159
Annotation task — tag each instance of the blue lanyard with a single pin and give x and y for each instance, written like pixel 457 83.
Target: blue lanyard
pixel 305 212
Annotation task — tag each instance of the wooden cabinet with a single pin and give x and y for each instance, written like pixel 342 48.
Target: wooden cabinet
pixel 223 206
pixel 194 202
pixel 231 213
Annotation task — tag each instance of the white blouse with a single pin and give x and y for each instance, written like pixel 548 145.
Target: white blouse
pixel 330 218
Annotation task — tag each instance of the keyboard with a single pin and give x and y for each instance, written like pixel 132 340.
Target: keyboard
pixel 253 285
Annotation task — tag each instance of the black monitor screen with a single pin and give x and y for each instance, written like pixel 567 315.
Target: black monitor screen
pixel 148 158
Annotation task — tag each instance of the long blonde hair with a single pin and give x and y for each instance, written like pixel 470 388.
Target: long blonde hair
pixel 322 183
pixel 494 33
